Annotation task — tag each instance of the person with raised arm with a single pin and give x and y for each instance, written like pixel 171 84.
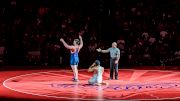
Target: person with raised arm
pixel 74 57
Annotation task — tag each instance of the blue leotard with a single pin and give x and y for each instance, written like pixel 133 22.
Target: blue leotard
pixel 74 59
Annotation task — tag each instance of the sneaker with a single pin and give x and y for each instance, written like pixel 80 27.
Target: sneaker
pixel 75 80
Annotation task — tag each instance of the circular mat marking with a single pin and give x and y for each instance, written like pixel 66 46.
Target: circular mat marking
pixel 132 85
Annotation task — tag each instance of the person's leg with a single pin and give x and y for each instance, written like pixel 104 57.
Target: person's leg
pixel 111 69
pixel 116 71
pixel 75 72
pixel 73 69
pixel 93 80
pixel 90 81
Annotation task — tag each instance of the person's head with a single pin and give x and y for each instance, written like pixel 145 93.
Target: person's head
pixel 76 42
pixel 97 63
pixel 114 44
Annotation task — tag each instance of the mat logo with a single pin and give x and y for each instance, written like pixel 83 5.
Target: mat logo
pixel 127 87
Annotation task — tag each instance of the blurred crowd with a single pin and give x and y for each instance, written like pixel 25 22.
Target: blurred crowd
pixel 147 31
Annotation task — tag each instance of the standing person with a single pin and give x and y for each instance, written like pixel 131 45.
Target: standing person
pixel 74 58
pixel 114 59
pixel 97 70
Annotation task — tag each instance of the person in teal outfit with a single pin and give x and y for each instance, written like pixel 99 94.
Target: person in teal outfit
pixel 97 78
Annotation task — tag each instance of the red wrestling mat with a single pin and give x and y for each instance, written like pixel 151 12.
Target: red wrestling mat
pixel 57 85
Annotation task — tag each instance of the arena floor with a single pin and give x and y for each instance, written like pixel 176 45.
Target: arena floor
pixel 55 84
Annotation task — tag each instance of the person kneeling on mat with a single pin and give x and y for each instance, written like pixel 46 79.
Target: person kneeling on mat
pixel 98 70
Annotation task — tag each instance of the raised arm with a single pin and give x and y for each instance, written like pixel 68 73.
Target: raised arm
pixel 66 45
pixel 91 68
pixel 103 51
pixel 81 42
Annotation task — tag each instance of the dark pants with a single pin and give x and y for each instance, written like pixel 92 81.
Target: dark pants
pixel 113 67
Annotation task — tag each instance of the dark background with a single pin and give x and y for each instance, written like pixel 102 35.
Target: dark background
pixel 147 31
